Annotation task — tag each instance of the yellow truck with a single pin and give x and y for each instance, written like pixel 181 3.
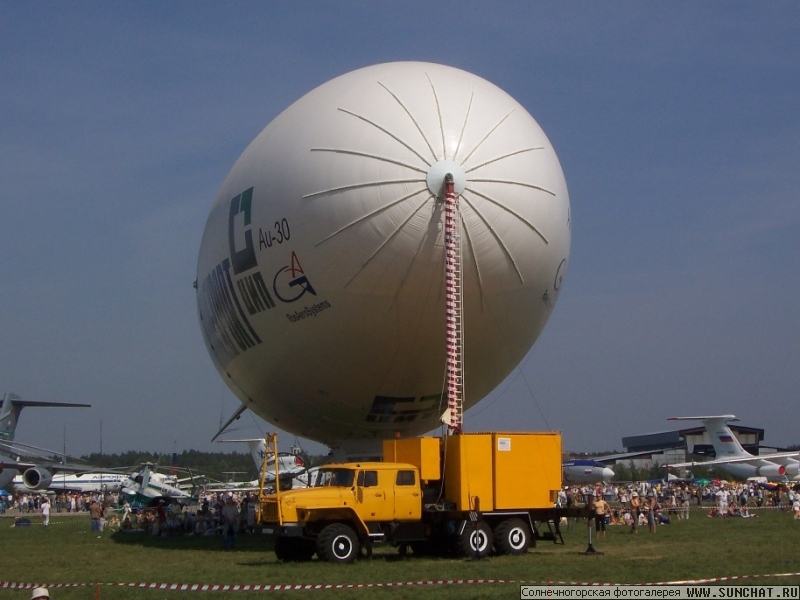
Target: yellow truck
pixel 470 493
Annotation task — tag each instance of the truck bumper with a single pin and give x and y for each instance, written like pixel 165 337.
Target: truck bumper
pixel 285 530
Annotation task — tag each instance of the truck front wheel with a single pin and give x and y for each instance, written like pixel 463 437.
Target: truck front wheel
pixel 476 540
pixel 512 536
pixel 337 543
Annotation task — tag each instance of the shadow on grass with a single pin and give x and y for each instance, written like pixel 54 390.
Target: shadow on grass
pixel 264 562
pixel 244 543
pixel 399 558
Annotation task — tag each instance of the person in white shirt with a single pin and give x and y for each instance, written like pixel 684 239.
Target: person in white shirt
pixel 45 512
pixel 722 497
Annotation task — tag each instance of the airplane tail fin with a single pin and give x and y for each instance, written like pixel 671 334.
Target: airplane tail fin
pixel 285 462
pixel 8 417
pixel 725 443
pixel 12 407
pixel 258 449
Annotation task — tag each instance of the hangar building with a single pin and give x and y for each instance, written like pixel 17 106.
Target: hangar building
pixel 679 445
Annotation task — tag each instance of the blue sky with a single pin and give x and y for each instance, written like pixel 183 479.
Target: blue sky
pixel 676 125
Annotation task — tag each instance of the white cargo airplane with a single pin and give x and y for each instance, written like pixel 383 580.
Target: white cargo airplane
pixel 736 460
pixel 78 482
pixel 15 458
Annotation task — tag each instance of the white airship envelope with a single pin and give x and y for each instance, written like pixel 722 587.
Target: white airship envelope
pixel 321 269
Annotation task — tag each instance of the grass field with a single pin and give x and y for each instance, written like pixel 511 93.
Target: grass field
pixel 68 553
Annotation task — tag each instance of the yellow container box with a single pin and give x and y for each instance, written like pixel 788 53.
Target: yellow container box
pixel 502 471
pixel 422 452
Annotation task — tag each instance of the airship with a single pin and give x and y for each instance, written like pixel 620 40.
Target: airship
pixel 320 276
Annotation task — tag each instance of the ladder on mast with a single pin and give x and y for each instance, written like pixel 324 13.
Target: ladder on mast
pixel 453 292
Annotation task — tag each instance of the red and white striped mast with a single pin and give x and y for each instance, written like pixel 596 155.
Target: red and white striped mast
pixel 453 292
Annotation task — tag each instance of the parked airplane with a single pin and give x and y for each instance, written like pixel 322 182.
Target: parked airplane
pixel 585 471
pixel 290 467
pixel 37 473
pixel 78 482
pixel 736 460
pixel 148 486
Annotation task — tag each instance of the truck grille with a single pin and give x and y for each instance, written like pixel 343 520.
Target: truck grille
pixel 270 511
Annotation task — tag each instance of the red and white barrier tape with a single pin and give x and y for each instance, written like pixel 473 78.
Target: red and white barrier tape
pixel 283 587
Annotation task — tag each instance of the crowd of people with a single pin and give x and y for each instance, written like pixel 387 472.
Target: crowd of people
pixel 633 505
pixel 644 504
pixel 65 502
pixel 216 513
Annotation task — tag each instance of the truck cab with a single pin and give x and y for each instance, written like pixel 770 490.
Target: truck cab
pixel 352 504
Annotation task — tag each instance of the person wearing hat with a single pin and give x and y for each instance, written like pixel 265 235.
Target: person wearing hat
pixel 635 504
pixel 39 593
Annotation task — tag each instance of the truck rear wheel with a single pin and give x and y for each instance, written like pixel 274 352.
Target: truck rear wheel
pixel 512 536
pixel 476 540
pixel 338 543
pixel 294 549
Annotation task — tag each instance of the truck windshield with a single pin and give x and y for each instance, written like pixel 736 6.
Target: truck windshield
pixel 336 478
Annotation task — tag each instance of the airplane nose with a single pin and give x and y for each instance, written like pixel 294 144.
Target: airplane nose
pixel 607 474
